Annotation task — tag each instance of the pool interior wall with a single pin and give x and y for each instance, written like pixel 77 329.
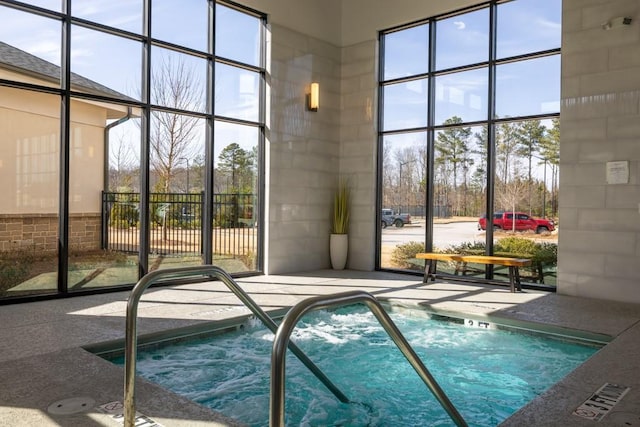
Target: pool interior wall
pixel 43 360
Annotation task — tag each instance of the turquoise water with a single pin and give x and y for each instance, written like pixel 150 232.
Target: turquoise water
pixel 487 373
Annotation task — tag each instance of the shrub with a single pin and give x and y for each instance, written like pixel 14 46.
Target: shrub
pixel 407 251
pixel 516 245
pixel 465 248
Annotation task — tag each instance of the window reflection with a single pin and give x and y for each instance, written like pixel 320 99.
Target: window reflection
pixel 237 93
pixel 528 26
pixel 93 56
pixel 463 95
pixel 406 52
pixel 125 15
pixel 520 90
pixel 462 40
pixel 237 36
pixel 177 24
pixel 405 105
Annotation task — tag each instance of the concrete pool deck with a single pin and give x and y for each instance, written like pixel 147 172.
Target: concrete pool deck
pixel 48 379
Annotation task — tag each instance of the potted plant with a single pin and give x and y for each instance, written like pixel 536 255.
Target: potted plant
pixel 339 240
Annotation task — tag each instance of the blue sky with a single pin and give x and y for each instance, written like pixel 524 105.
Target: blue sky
pixel 524 26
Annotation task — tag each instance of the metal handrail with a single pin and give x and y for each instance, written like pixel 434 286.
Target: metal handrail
pixel 280 342
pixel 131 337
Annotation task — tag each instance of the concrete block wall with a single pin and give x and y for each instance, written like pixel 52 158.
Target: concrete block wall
pixel 599 235
pixel 358 148
pixel 303 151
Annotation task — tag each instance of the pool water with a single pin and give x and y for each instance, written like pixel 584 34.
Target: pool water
pixel 487 373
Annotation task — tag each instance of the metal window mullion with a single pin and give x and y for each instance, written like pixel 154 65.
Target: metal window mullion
pixel 207 209
pixel 260 206
pixel 431 118
pixel 491 135
pixel 65 134
pixel 379 159
pixel 145 151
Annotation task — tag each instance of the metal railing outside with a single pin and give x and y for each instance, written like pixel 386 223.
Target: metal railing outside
pixel 176 223
pixel 281 341
pixel 131 334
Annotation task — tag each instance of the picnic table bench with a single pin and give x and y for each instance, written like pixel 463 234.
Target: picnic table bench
pixel 514 264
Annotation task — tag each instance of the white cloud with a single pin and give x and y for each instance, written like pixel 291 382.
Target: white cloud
pixel 460 25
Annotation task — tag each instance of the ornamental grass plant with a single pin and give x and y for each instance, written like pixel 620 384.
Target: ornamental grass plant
pixel 340 220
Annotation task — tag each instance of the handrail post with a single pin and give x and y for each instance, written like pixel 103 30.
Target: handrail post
pixel 281 340
pixel 131 334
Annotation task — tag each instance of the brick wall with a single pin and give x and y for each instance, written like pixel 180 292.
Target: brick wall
pixel 40 232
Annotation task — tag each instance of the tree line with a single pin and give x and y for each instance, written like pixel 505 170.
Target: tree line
pixel 525 174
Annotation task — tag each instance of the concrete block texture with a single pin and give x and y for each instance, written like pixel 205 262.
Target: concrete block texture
pixel 600 222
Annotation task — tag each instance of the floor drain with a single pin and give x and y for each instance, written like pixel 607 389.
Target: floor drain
pixel 74 405
pixel 623 419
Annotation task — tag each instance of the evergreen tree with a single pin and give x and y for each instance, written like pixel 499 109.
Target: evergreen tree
pixel 530 135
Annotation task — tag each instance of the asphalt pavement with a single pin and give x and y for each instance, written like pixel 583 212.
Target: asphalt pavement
pixel 444 235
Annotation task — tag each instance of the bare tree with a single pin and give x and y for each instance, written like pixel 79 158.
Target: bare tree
pixel 175 85
pixel 512 193
pixel 122 166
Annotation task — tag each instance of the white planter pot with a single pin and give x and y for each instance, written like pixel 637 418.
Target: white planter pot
pixel 338 250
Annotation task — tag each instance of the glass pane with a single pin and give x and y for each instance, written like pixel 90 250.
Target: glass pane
pixel 405 105
pixel 403 195
pixel 527 159
pixel 29 172
pixel 238 35
pixel 462 40
pixel 104 64
pixel 526 26
pixel 522 149
pixel 462 95
pixel 406 52
pixel 178 80
pixel 237 93
pixel 460 181
pixel 97 260
pixel 528 87
pixel 29 56
pixel 181 23
pixel 235 202
pixel 47 4
pixel 123 14
pixel 177 177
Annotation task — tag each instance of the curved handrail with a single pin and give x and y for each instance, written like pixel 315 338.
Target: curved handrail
pixel 131 336
pixel 276 405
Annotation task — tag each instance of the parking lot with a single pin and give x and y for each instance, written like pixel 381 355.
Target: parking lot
pixel 444 234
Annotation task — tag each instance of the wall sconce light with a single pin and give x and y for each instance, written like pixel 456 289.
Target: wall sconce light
pixel 313 99
pixel 618 22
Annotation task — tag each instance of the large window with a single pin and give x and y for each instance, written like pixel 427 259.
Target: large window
pixel 469 128
pixel 124 151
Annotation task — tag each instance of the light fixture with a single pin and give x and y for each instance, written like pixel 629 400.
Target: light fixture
pixel 314 97
pixel 618 22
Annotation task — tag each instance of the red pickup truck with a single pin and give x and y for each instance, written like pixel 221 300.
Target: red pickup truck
pixel 504 221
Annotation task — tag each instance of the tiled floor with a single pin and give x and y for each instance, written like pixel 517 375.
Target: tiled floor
pixel 44 369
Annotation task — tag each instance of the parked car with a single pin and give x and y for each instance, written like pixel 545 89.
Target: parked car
pixel 388 218
pixel 504 220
